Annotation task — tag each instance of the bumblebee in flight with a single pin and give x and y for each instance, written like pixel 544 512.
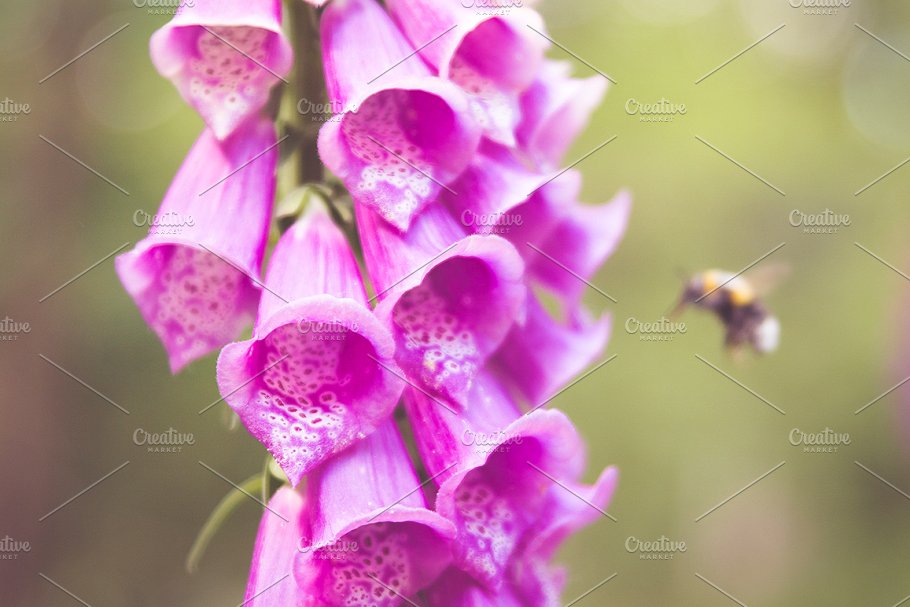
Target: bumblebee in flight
pixel 735 300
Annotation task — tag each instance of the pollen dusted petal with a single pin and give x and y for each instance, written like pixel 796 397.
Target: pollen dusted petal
pixel 436 336
pixel 378 136
pixel 311 394
pixel 318 374
pixel 224 57
pixel 377 567
pixel 447 326
pixel 447 298
pixel 403 134
pixel 196 302
pixel 493 510
pixel 227 84
pixel 400 147
pixel 492 58
pixel 197 286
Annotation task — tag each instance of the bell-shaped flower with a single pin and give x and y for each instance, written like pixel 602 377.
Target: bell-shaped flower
pixel 449 299
pixel 318 373
pixel 493 58
pixel 504 479
pixel 403 134
pixel 280 537
pixel 554 110
pixel 585 236
pixel 498 194
pixel 195 276
pixel 455 588
pixel 372 540
pixel 540 357
pixel 224 57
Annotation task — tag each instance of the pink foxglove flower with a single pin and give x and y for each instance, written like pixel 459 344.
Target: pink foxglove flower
pixel 455 588
pixel 402 134
pixel 578 245
pixel 542 356
pixel 492 58
pixel 498 194
pixel 279 539
pixel 496 472
pixel 554 110
pixel 224 56
pixel 448 299
pixel 318 373
pixel 196 285
pixel 372 540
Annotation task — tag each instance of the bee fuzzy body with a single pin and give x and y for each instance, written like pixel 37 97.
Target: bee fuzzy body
pixel 733 299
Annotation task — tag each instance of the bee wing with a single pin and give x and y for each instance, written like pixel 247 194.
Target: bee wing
pixel 766 277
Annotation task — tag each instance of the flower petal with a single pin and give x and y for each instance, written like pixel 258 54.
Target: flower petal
pixel 577 247
pixel 404 134
pixel 492 58
pixel 272 568
pixel 318 373
pixel 554 110
pixel 542 356
pixel 196 285
pixel 373 540
pixel 448 307
pixel 495 503
pixel 224 56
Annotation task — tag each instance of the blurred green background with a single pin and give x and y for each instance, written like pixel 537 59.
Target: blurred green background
pixel 819 110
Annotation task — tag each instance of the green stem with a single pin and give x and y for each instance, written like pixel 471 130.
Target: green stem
pixel 217 518
pixel 307 83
